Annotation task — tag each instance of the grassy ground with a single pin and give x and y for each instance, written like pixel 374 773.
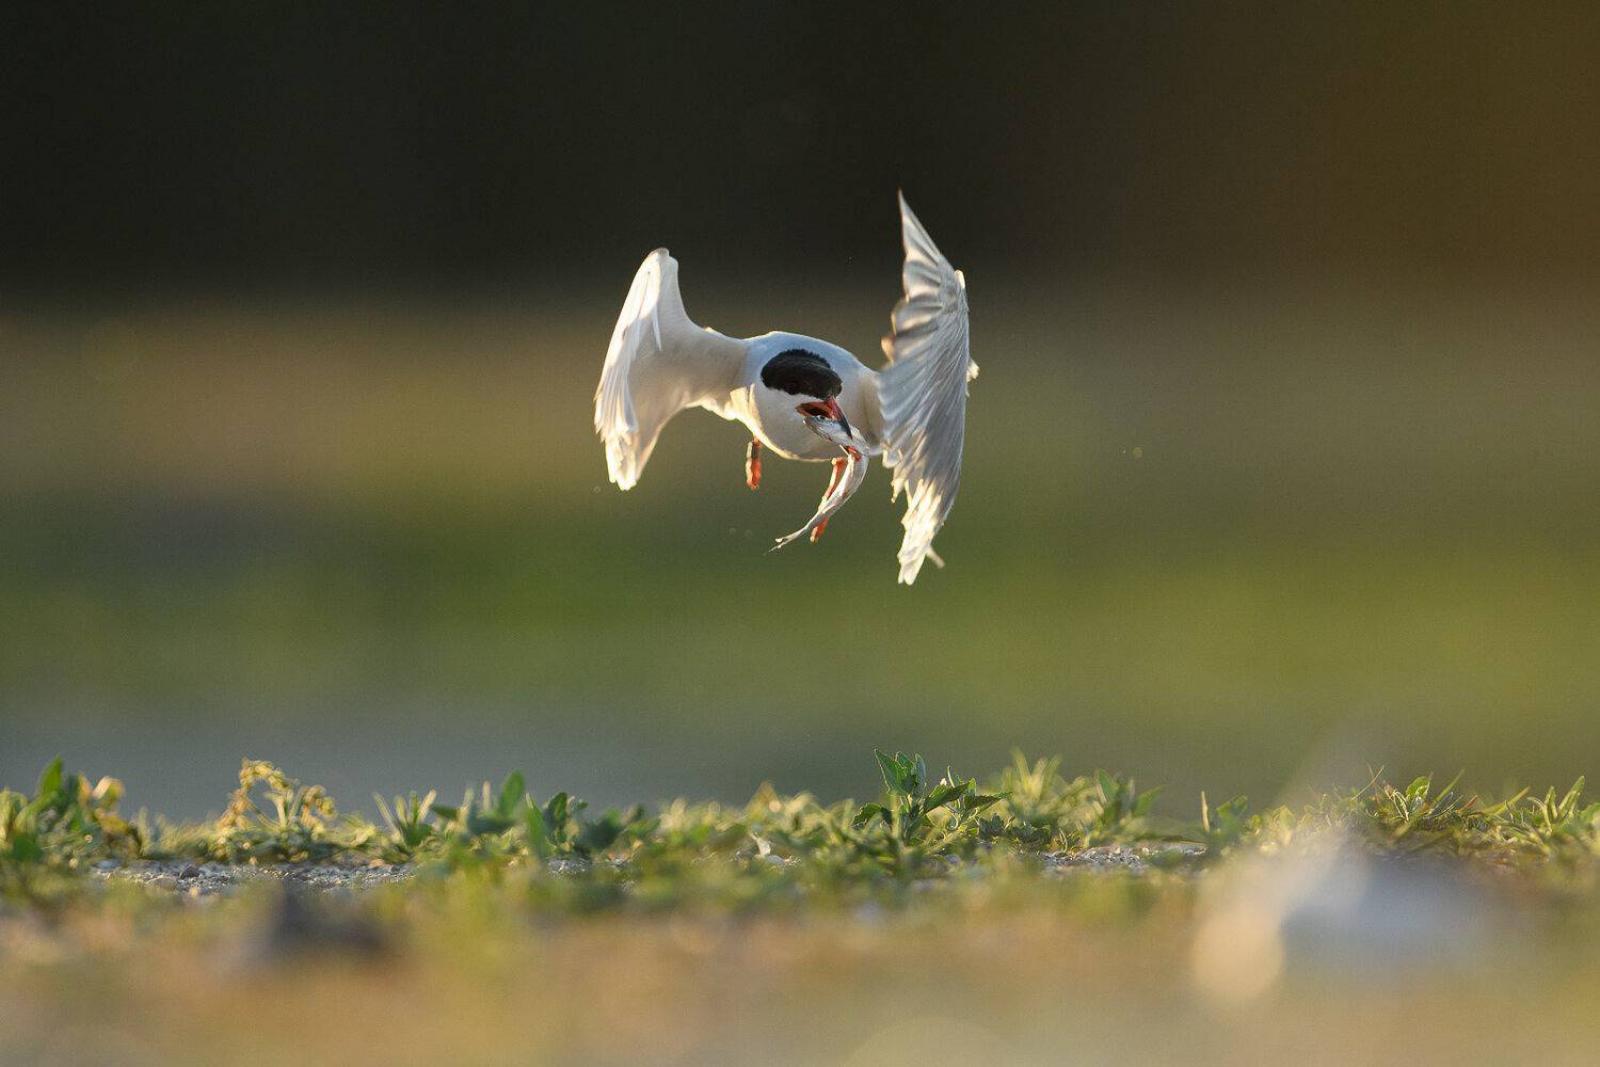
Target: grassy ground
pixel 1029 917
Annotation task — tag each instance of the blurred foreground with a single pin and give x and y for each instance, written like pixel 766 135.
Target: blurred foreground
pixel 1042 919
pixel 1052 985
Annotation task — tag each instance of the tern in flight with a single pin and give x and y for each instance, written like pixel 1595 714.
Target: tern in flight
pixel 805 398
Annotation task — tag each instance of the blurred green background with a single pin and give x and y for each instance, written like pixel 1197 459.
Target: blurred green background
pixel 1282 462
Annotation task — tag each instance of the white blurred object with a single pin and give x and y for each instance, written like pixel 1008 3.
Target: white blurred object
pixel 1323 904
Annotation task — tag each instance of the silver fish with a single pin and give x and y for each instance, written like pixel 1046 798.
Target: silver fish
pixel 857 458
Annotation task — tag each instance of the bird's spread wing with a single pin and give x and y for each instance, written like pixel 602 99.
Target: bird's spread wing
pixel 658 364
pixel 922 393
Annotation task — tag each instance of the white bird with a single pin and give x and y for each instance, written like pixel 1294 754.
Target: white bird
pixel 802 397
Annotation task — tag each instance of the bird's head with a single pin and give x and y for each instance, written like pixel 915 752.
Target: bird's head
pixel 808 378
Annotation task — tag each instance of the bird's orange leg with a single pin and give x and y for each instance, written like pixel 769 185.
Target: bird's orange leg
pixel 752 464
pixel 833 483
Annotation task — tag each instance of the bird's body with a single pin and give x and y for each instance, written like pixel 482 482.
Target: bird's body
pixel 801 397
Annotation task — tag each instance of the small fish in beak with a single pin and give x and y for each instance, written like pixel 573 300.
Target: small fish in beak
pixel 825 419
pixel 855 472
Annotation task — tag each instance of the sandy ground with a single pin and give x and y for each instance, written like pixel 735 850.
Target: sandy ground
pixel 211 879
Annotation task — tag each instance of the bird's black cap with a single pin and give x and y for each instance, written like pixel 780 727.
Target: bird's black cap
pixel 801 373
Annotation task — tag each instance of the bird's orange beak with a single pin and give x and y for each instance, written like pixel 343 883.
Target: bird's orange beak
pixel 827 409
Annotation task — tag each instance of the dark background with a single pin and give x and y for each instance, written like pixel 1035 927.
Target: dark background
pixel 373 143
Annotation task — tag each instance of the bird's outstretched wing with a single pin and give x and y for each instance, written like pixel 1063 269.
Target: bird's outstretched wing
pixel 922 393
pixel 658 364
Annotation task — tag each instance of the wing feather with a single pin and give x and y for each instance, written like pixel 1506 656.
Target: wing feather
pixel 922 393
pixel 659 363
